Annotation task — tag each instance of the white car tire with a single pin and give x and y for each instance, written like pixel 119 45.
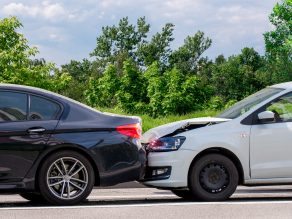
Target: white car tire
pixel 213 177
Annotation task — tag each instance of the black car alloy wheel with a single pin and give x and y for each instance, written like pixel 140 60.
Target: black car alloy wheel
pixel 66 178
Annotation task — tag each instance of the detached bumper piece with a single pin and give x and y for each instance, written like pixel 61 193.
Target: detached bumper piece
pixel 157 173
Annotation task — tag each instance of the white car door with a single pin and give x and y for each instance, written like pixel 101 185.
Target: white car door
pixel 271 143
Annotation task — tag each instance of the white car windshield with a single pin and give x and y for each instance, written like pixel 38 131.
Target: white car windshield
pixel 249 102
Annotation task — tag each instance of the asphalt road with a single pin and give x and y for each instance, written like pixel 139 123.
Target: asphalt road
pixel 247 202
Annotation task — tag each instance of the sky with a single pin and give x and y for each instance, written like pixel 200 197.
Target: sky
pixel 67 29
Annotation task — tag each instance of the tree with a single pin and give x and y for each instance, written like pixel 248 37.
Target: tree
pixel 16 65
pixel 132 91
pixel 185 58
pixel 156 89
pixel 279 43
pixel 237 77
pixel 183 93
pixel 79 70
pixel 250 57
pixel 102 91
pixel 118 43
pixel 158 49
pixel 220 59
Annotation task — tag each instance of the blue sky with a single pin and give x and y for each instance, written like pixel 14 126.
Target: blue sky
pixel 67 29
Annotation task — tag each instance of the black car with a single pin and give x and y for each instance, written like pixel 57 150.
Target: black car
pixel 55 149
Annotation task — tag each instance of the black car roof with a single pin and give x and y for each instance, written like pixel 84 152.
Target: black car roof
pixel 27 89
pixel 46 93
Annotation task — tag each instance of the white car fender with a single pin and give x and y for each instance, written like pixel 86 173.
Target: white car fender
pixel 219 136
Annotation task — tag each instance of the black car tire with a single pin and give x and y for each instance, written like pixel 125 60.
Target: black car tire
pixel 213 177
pixel 33 197
pixel 183 193
pixel 53 168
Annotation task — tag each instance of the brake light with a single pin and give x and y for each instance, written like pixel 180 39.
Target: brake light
pixel 131 130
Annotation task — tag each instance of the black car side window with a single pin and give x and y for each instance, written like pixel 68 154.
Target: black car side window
pixel 13 106
pixel 43 109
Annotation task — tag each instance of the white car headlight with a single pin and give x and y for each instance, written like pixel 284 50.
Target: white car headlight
pixel 166 144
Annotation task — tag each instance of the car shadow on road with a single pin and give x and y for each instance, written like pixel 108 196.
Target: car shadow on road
pixel 145 201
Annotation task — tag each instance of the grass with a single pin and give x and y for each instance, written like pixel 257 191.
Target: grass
pixel 148 122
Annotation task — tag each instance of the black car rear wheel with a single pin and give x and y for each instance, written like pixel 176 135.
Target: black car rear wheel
pixel 66 178
pixel 213 177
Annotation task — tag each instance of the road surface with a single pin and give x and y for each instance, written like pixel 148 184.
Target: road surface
pixel 247 202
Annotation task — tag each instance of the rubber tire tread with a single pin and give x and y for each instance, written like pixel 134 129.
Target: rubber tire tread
pixel 194 183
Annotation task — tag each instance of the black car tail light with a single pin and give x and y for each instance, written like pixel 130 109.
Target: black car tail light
pixel 131 130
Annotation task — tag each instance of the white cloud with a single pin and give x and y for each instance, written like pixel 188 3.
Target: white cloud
pixel 47 10
pixel 19 8
pixel 53 11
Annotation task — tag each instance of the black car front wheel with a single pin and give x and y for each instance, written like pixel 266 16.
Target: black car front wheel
pixel 213 177
pixel 66 178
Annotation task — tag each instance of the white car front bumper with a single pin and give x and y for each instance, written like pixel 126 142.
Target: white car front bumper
pixel 178 161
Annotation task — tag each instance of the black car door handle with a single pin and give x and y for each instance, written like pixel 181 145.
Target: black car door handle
pixel 36 130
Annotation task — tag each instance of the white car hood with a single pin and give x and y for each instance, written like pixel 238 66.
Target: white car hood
pixel 169 128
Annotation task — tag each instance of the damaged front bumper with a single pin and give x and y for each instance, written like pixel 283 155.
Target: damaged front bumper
pixel 168 169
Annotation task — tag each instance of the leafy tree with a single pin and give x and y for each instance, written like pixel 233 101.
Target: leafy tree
pixel 132 90
pixel 237 77
pixel 79 70
pixel 220 59
pixel 158 49
pixel 118 43
pixel 102 91
pixel 185 58
pixel 156 89
pixel 251 58
pixel 184 93
pixel 279 43
pixel 16 65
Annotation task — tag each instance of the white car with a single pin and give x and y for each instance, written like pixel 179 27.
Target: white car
pixel 206 158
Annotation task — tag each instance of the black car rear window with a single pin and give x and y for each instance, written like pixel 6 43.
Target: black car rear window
pixel 43 109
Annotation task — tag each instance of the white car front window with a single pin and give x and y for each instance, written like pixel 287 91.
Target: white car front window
pixel 249 102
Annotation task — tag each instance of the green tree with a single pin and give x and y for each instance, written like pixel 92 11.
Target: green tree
pixel 156 89
pixel 16 65
pixel 183 93
pixel 102 91
pixel 118 43
pixel 81 72
pixel 279 43
pixel 186 57
pixel 158 49
pixel 238 77
pixel 132 91
pixel 220 59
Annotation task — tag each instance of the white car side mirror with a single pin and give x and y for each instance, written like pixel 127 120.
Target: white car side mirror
pixel 266 116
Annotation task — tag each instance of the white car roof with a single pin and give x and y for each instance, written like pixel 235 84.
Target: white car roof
pixel 286 85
